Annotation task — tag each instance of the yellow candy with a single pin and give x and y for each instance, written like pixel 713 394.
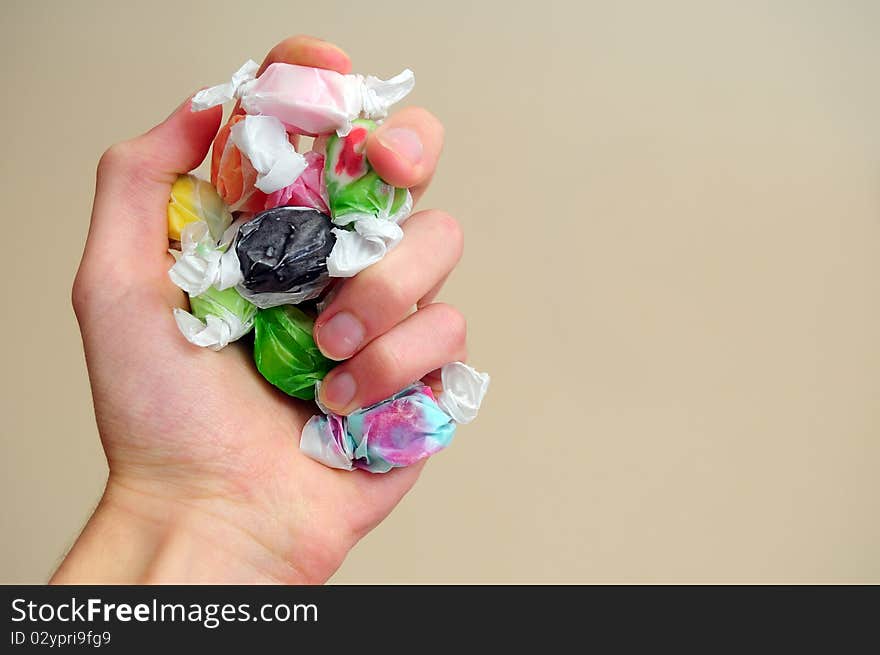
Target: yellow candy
pixel 193 200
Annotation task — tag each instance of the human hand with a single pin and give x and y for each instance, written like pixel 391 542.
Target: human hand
pixel 207 482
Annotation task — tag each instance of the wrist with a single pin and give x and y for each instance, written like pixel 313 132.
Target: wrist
pixel 136 536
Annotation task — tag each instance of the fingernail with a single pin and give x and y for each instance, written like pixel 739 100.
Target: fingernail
pixel 338 391
pixel 341 336
pixel 403 141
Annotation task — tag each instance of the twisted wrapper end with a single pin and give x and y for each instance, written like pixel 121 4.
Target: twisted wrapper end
pixel 216 332
pixel 238 86
pixel 263 140
pixel 376 96
pixel 463 391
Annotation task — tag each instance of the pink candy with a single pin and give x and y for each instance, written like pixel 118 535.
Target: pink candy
pixel 306 191
pixel 307 100
pixel 310 101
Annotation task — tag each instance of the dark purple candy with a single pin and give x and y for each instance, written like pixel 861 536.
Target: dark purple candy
pixel 284 250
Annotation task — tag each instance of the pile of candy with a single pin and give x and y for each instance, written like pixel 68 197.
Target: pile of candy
pixel 258 248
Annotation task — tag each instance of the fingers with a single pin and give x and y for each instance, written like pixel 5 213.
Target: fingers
pixel 429 297
pixel 372 302
pixel 308 51
pixel 133 182
pixel 420 344
pixel 404 150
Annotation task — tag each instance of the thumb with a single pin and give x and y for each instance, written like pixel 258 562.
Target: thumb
pixel 133 185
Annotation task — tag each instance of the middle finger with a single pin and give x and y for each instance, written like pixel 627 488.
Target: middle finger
pixel 375 300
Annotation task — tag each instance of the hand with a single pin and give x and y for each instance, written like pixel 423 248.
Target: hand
pixel 207 483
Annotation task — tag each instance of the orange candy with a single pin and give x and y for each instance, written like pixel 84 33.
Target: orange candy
pixel 232 175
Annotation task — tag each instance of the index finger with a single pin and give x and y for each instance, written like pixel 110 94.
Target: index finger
pixel 308 51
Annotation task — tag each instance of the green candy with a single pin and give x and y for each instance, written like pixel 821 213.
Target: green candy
pixel 285 351
pixel 221 303
pixel 354 189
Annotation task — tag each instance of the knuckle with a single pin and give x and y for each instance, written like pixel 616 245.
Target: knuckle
pixel 426 118
pixel 384 361
pixel 117 157
pixel 80 293
pixel 390 293
pixel 453 321
pixel 279 51
pixel 450 231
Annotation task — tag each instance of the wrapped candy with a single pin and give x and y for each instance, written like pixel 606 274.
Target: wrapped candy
pixel 355 190
pixel 204 262
pixel 307 190
pixel 363 201
pixel 232 174
pixel 218 318
pixel 310 101
pixel 194 200
pixel 362 247
pixel 285 352
pixel 264 141
pixel 398 431
pixel 239 183
pixel 301 219
pixel 407 427
pixel 282 256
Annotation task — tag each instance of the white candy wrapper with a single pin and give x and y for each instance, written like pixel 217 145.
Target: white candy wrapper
pixel 217 318
pixel 307 100
pixel 263 140
pixel 325 441
pixel 377 95
pixel 202 263
pixel 216 332
pixel 355 251
pixel 223 93
pixel 463 391
pixel 373 237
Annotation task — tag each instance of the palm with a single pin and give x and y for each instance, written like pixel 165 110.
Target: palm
pixel 207 424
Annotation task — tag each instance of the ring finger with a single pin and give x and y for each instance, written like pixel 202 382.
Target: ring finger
pixel 422 343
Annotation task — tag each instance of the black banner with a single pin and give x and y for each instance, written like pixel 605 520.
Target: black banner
pixel 336 618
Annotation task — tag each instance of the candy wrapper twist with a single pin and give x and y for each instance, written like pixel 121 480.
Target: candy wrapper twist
pixel 257 248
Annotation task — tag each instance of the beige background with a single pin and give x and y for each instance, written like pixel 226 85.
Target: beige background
pixel 672 213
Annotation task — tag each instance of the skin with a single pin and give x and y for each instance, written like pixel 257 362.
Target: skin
pixel 207 483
